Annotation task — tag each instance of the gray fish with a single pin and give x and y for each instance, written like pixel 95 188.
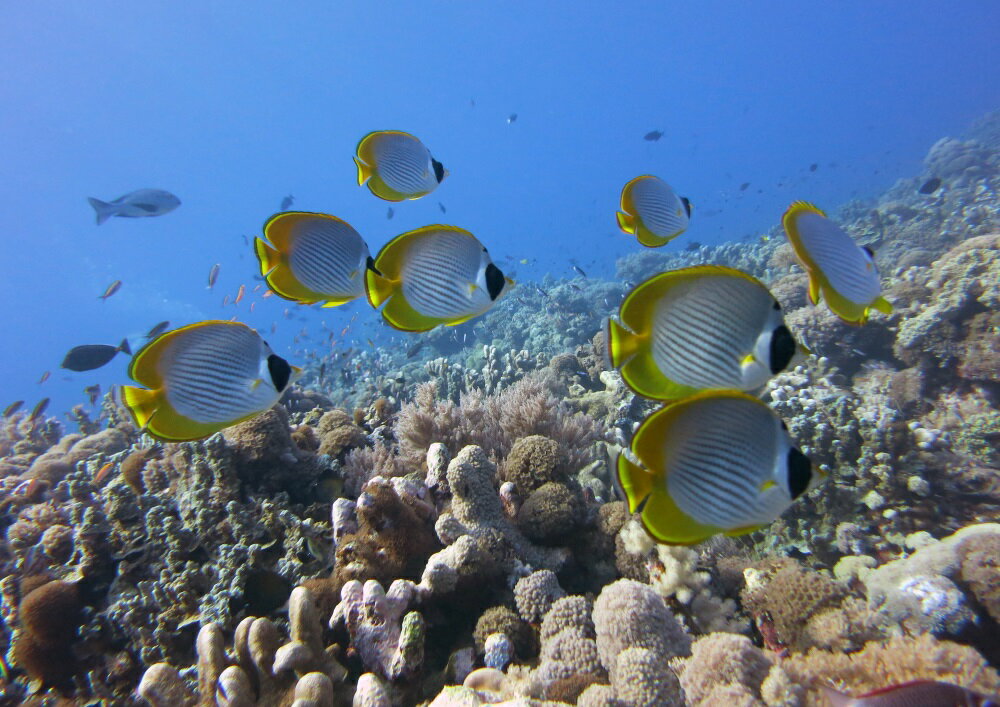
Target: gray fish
pixel 39 409
pixel 137 204
pixel 512 118
pixel 12 408
pixel 390 213
pixel 156 331
pixel 111 289
pixel 90 356
pixel 441 206
pixel 286 202
pixel 579 270
pixel 930 186
pixel 653 135
pixel 213 275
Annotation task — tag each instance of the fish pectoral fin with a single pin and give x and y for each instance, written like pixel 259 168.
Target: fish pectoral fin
pixel 472 289
pixel 625 222
pixel 767 485
pixel 748 360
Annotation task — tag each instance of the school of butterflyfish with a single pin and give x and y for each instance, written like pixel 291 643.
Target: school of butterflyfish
pixel 703 340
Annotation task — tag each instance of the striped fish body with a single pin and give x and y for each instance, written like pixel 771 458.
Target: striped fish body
pixel 700 328
pixel 203 378
pixel 717 462
pixel 309 258
pixel 397 166
pixel 839 270
pixel 652 211
pixel 435 275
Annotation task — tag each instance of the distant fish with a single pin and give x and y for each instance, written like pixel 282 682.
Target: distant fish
pixel 415 349
pixel 45 377
pixel 203 378
pixel 268 293
pixel 240 294
pixel 91 356
pixel 512 118
pixel 579 270
pixel 390 213
pixel 225 300
pixel 930 186
pixel 213 275
pixel 156 331
pixel 813 167
pixel 137 204
pixel 93 392
pixel 653 135
pixel 12 408
pixel 309 258
pixel 287 202
pixel 915 693
pixel 397 166
pixel 652 211
pixel 111 289
pixel 718 462
pixel 433 275
pixel 744 186
pixel 839 269
pixel 39 409
pixel 441 206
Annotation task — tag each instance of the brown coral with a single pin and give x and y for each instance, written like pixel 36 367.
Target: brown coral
pixel 981 570
pixel 717 660
pixel 338 433
pixel 533 461
pixel 550 513
pixel 50 616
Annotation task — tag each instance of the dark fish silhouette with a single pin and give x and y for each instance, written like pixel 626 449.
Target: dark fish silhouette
pixel 512 118
pixel 930 186
pixel 45 377
pixel 137 204
pixel 653 135
pixel 157 330
pixel 441 206
pixel 93 392
pixel 286 202
pixel 12 408
pixel 744 185
pixel 813 167
pixel 90 356
pixel 390 213
pixel 579 270
pixel 39 409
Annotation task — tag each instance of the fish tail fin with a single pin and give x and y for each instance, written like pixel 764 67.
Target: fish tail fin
pixel 625 222
pixel 124 347
pixel 141 402
pixel 378 287
pixel 269 258
pixel 622 344
pixel 364 171
pixel 103 209
pixel 882 305
pixel 634 481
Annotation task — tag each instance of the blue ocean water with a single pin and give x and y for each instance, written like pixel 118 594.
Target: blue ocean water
pixel 231 106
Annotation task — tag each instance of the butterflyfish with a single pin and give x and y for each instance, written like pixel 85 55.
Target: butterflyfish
pixel 840 271
pixel 705 327
pixel 397 166
pixel 310 258
pixel 717 462
pixel 203 378
pixel 136 204
pixel 652 211
pixel 433 275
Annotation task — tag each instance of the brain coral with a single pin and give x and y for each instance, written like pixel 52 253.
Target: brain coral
pixel 533 461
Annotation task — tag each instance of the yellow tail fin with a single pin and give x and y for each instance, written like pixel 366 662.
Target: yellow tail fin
pixel 882 305
pixel 269 258
pixel 364 171
pixel 625 222
pixel 142 403
pixel 622 344
pixel 378 287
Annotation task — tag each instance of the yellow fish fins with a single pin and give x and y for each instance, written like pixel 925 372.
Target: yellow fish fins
pixel 715 462
pixel 309 257
pixel 433 275
pixel 203 378
pixel 706 327
pixel 652 211
pixel 840 271
pixel 397 166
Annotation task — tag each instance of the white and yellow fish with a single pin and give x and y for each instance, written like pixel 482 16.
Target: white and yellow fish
pixel 434 275
pixel 203 378
pixel 700 328
pixel 652 211
pixel 718 462
pixel 309 258
pixel 397 166
pixel 840 271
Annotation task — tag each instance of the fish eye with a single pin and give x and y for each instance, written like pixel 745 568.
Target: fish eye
pixel 799 472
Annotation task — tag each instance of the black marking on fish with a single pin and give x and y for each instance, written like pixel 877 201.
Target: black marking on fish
pixel 782 349
pixel 280 371
pixel 438 170
pixel 930 186
pixel 799 472
pixel 494 281
pixel 687 205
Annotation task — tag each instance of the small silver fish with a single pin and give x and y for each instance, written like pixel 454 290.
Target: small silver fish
pixel 213 275
pixel 136 204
